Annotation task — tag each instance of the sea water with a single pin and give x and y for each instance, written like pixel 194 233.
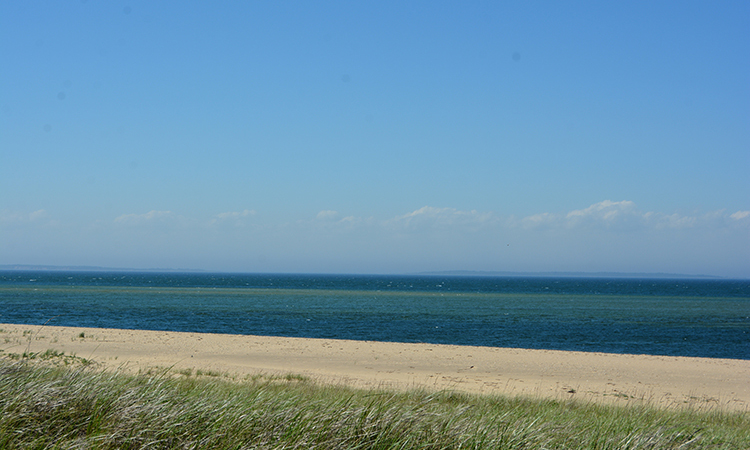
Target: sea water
pixel 679 317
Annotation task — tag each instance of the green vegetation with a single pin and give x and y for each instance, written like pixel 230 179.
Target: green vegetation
pixel 44 405
pixel 49 356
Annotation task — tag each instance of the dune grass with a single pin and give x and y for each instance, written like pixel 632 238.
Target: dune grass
pixel 75 405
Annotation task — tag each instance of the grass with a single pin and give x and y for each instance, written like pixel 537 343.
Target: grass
pixel 44 405
pixel 50 356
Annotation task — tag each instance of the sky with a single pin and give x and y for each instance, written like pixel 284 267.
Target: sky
pixel 376 136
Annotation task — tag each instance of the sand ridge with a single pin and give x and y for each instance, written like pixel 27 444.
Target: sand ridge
pixel 660 380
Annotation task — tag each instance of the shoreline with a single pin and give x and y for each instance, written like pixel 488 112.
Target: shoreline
pixel 663 381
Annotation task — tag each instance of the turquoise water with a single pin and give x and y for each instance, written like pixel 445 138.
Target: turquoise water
pixel 708 318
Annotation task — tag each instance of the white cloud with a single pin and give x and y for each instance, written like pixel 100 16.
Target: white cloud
pixel 624 215
pixel 449 215
pixel 425 218
pixel 606 210
pixel 715 220
pixel 608 235
pixel 606 213
pixel 674 221
pixel 327 215
pixel 38 218
pixel 236 218
pixel 540 220
pixel 332 220
pixel 37 215
pixel 149 217
pixel 233 215
pixel 11 217
pixel 431 217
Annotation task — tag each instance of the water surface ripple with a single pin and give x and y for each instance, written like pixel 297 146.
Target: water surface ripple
pixel 705 318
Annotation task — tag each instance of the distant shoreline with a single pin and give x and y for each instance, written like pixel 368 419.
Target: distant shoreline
pixel 479 273
pixel 450 273
pixel 45 268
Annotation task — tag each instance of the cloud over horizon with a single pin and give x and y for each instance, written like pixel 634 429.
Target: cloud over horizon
pixel 606 215
pixel 624 215
pixel 430 217
pixel 14 217
pixel 237 218
pixel 428 237
pixel 149 217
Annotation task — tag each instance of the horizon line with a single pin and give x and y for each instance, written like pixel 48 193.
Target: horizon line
pixel 457 273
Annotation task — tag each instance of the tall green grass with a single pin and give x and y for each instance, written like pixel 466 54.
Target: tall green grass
pixel 47 406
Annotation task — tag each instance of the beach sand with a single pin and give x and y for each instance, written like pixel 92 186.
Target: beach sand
pixel 664 381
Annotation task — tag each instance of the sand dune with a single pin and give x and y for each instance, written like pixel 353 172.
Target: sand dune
pixel 664 381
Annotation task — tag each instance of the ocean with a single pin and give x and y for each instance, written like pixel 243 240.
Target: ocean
pixel 676 317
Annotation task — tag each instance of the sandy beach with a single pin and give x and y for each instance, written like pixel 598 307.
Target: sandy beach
pixel 664 381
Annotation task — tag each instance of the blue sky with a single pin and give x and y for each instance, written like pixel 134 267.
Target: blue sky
pixel 376 137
